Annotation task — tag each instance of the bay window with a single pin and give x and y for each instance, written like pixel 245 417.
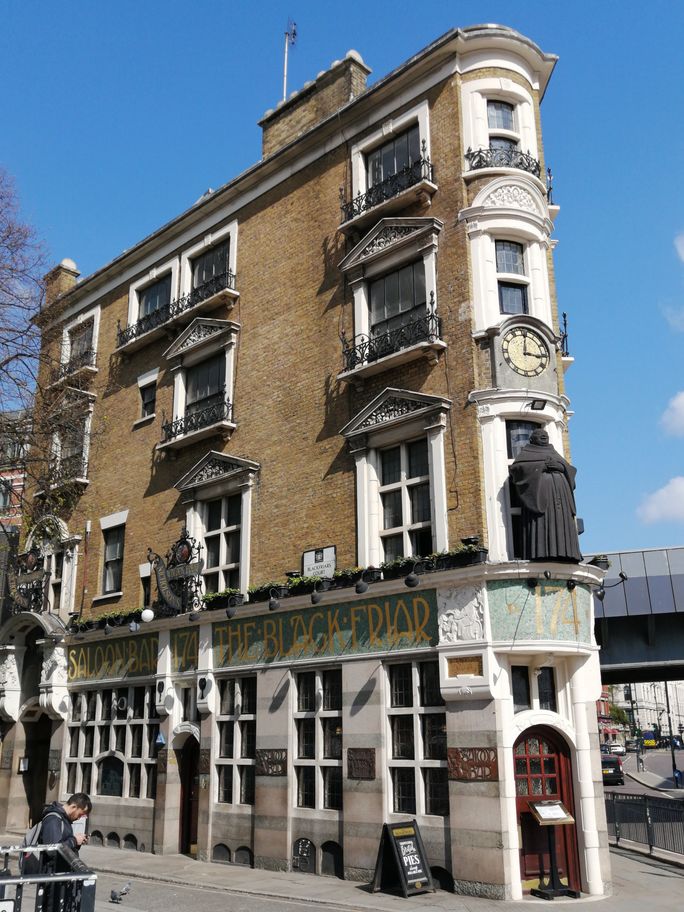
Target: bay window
pixel 392 274
pixel 203 360
pixel 511 279
pixel 398 445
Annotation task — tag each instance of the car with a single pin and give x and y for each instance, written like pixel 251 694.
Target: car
pixel 631 745
pixel 618 749
pixel 605 748
pixel 611 769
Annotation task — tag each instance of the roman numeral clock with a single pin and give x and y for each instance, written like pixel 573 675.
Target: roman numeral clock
pixel 525 356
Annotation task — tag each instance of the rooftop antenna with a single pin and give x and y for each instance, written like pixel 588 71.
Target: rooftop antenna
pixel 290 38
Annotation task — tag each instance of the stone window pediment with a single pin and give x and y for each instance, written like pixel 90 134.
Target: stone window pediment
pixel 201 335
pixel 404 236
pixel 393 408
pixel 217 468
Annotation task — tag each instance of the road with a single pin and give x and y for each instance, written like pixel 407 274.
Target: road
pixel 655 761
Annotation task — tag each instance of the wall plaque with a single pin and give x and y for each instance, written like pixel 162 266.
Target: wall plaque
pixel 7 757
pixel 184 649
pixel 389 623
pixel 361 763
pixel 54 761
pixel 122 658
pixel 464 665
pixel 473 764
pixel 271 762
pixel 550 611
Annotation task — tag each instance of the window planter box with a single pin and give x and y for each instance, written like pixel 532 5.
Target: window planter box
pixel 304 585
pixel 348 577
pixel 223 600
pixel 402 567
pixel 449 561
pixel 263 593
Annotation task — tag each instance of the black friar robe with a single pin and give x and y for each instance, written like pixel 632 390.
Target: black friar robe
pixel 545 483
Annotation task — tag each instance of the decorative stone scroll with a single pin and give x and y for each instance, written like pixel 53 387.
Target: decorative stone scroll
pixel 386 237
pixel 391 408
pixel 473 764
pixel 511 197
pixel 461 615
pixel 361 763
pixel 271 762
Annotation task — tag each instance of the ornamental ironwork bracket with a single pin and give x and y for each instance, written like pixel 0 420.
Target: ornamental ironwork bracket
pixel 179 576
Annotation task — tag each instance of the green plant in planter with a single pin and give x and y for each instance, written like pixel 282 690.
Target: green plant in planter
pixel 457 557
pixel 348 576
pixel 302 585
pixel 263 592
pixel 400 566
pixel 601 561
pixel 223 598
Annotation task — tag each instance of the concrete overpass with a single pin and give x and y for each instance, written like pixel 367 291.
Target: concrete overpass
pixel 640 624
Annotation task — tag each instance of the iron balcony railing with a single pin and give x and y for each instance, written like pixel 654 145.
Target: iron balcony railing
pixel 378 345
pixel 421 169
pixel 225 280
pixel 214 409
pixel 655 822
pixel 83 359
pixel 71 891
pixel 502 158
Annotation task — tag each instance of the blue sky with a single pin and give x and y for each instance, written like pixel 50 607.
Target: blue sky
pixel 116 117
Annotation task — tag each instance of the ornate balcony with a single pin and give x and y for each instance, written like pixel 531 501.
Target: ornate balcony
pixel 417 178
pixel 69 469
pixel 214 417
pixel 84 362
pixel 372 354
pixel 219 289
pixel 502 158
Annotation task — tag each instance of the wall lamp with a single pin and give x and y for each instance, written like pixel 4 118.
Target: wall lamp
pixel 134 626
pixel 107 628
pixel 411 579
pixel 571 584
pixel 547 574
pixel 538 405
pixel 361 584
pixel 273 603
pixel 147 615
pixel 532 582
pixel 601 591
pixel 193 615
pixel 316 596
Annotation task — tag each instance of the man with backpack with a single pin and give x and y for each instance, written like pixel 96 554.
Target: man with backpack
pixel 56 827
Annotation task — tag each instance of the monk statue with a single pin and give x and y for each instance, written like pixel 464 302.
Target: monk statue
pixel 545 482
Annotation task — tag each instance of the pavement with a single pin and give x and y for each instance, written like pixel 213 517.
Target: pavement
pixel 657 782
pixel 639 882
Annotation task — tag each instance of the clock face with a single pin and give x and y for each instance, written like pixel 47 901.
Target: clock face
pixel 525 351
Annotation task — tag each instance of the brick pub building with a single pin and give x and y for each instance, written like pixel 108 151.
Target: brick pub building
pixel 317 369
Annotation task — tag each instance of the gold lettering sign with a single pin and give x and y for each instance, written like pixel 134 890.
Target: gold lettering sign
pixel 393 622
pixel 465 665
pixel 126 658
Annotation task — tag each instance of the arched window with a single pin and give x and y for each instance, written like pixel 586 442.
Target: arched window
pixel 110 779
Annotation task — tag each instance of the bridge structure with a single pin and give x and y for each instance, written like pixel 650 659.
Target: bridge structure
pixel 639 625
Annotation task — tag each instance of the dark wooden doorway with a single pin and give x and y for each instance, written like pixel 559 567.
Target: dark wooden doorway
pixel 37 749
pixel 188 767
pixel 543 770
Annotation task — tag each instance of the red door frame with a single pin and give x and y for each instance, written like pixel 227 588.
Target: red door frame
pixel 558 776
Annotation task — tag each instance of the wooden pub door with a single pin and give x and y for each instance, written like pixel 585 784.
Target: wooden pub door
pixel 543 770
pixel 188 758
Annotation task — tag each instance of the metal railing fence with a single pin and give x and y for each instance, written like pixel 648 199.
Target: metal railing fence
pixel 655 822
pixel 64 891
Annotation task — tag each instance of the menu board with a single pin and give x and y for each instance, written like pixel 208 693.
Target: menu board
pixel 402 862
pixel 550 813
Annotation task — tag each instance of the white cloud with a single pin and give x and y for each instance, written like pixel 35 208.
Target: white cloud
pixel 665 504
pixel 672 418
pixel 679 246
pixel 674 317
